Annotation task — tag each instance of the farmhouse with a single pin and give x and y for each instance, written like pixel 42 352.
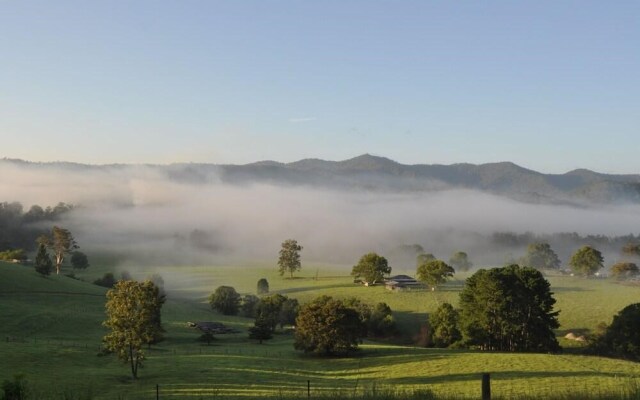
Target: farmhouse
pixel 402 282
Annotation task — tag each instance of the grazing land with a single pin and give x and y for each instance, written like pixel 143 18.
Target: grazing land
pixel 51 332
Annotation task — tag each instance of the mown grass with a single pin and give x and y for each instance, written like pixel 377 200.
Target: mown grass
pixel 52 333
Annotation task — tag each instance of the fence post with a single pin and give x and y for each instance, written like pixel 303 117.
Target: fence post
pixel 308 389
pixel 157 392
pixel 486 387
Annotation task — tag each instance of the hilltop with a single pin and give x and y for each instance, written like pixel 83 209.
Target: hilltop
pixel 379 174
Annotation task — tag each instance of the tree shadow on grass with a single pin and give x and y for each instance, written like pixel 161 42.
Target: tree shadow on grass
pixel 314 288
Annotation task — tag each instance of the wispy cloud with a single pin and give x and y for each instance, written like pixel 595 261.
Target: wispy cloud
pixel 300 120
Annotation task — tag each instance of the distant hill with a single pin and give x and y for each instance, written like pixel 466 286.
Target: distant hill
pixel 373 173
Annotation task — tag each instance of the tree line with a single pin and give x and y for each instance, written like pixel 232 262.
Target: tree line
pixel 19 229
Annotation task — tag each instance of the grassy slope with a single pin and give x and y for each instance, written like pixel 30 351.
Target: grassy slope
pixel 55 335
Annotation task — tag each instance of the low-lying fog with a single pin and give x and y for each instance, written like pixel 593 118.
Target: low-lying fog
pixel 137 211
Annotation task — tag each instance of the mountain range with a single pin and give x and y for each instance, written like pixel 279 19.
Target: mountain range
pixel 375 174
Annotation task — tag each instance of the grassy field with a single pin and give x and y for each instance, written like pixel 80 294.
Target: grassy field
pixel 50 330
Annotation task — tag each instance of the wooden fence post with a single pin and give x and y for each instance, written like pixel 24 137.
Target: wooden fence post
pixel 308 389
pixel 486 387
pixel 157 392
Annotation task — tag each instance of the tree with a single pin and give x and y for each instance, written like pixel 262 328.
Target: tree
pixel 624 270
pixel 444 326
pixel 288 312
pixel 43 262
pixel 260 330
pixel 269 309
pixel 263 286
pixel 79 260
pixel 61 242
pixel 131 318
pixel 586 261
pixel 508 309
pixel 225 300
pixel 249 305
pixel 381 321
pixel 326 326
pixel 107 280
pixel 424 258
pixel 434 273
pixel 541 256
pixel 289 257
pixel 622 337
pixel 371 268
pixel 460 261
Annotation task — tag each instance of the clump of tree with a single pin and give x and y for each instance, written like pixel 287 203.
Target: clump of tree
pixel 225 300
pixel 132 317
pixel 19 229
pixel 444 326
pixel 329 327
pixel 434 273
pixel 621 338
pixel 624 270
pixel 508 309
pixel 262 286
pixel 541 256
pixel 289 260
pixel 61 242
pixel 631 249
pixel 277 310
pixel 586 261
pixel 460 261
pixel 249 305
pixel 371 268
pixel 14 254
pixel 378 320
pixel 108 280
pixel 43 264
pixel 79 260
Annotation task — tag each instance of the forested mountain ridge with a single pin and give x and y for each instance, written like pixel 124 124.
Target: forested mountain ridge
pixel 373 173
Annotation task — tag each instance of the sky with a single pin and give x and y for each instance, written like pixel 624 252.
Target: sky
pixel 549 85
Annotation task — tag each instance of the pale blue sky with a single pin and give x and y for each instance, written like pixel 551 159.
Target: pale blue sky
pixel 550 85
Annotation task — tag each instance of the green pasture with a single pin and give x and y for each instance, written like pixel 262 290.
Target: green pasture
pixel 50 330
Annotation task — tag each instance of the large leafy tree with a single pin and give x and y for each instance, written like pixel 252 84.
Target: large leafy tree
pixel 225 300
pixel 434 273
pixel 327 326
pixel 444 326
pixel 586 261
pixel 61 242
pixel 371 268
pixel 289 260
pixel 43 262
pixel 508 309
pixel 132 308
pixel 541 256
pixel 460 261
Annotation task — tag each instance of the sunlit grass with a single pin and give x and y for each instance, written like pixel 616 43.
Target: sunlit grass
pixel 54 338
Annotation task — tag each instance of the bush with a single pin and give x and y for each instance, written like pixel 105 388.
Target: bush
pixel 15 389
